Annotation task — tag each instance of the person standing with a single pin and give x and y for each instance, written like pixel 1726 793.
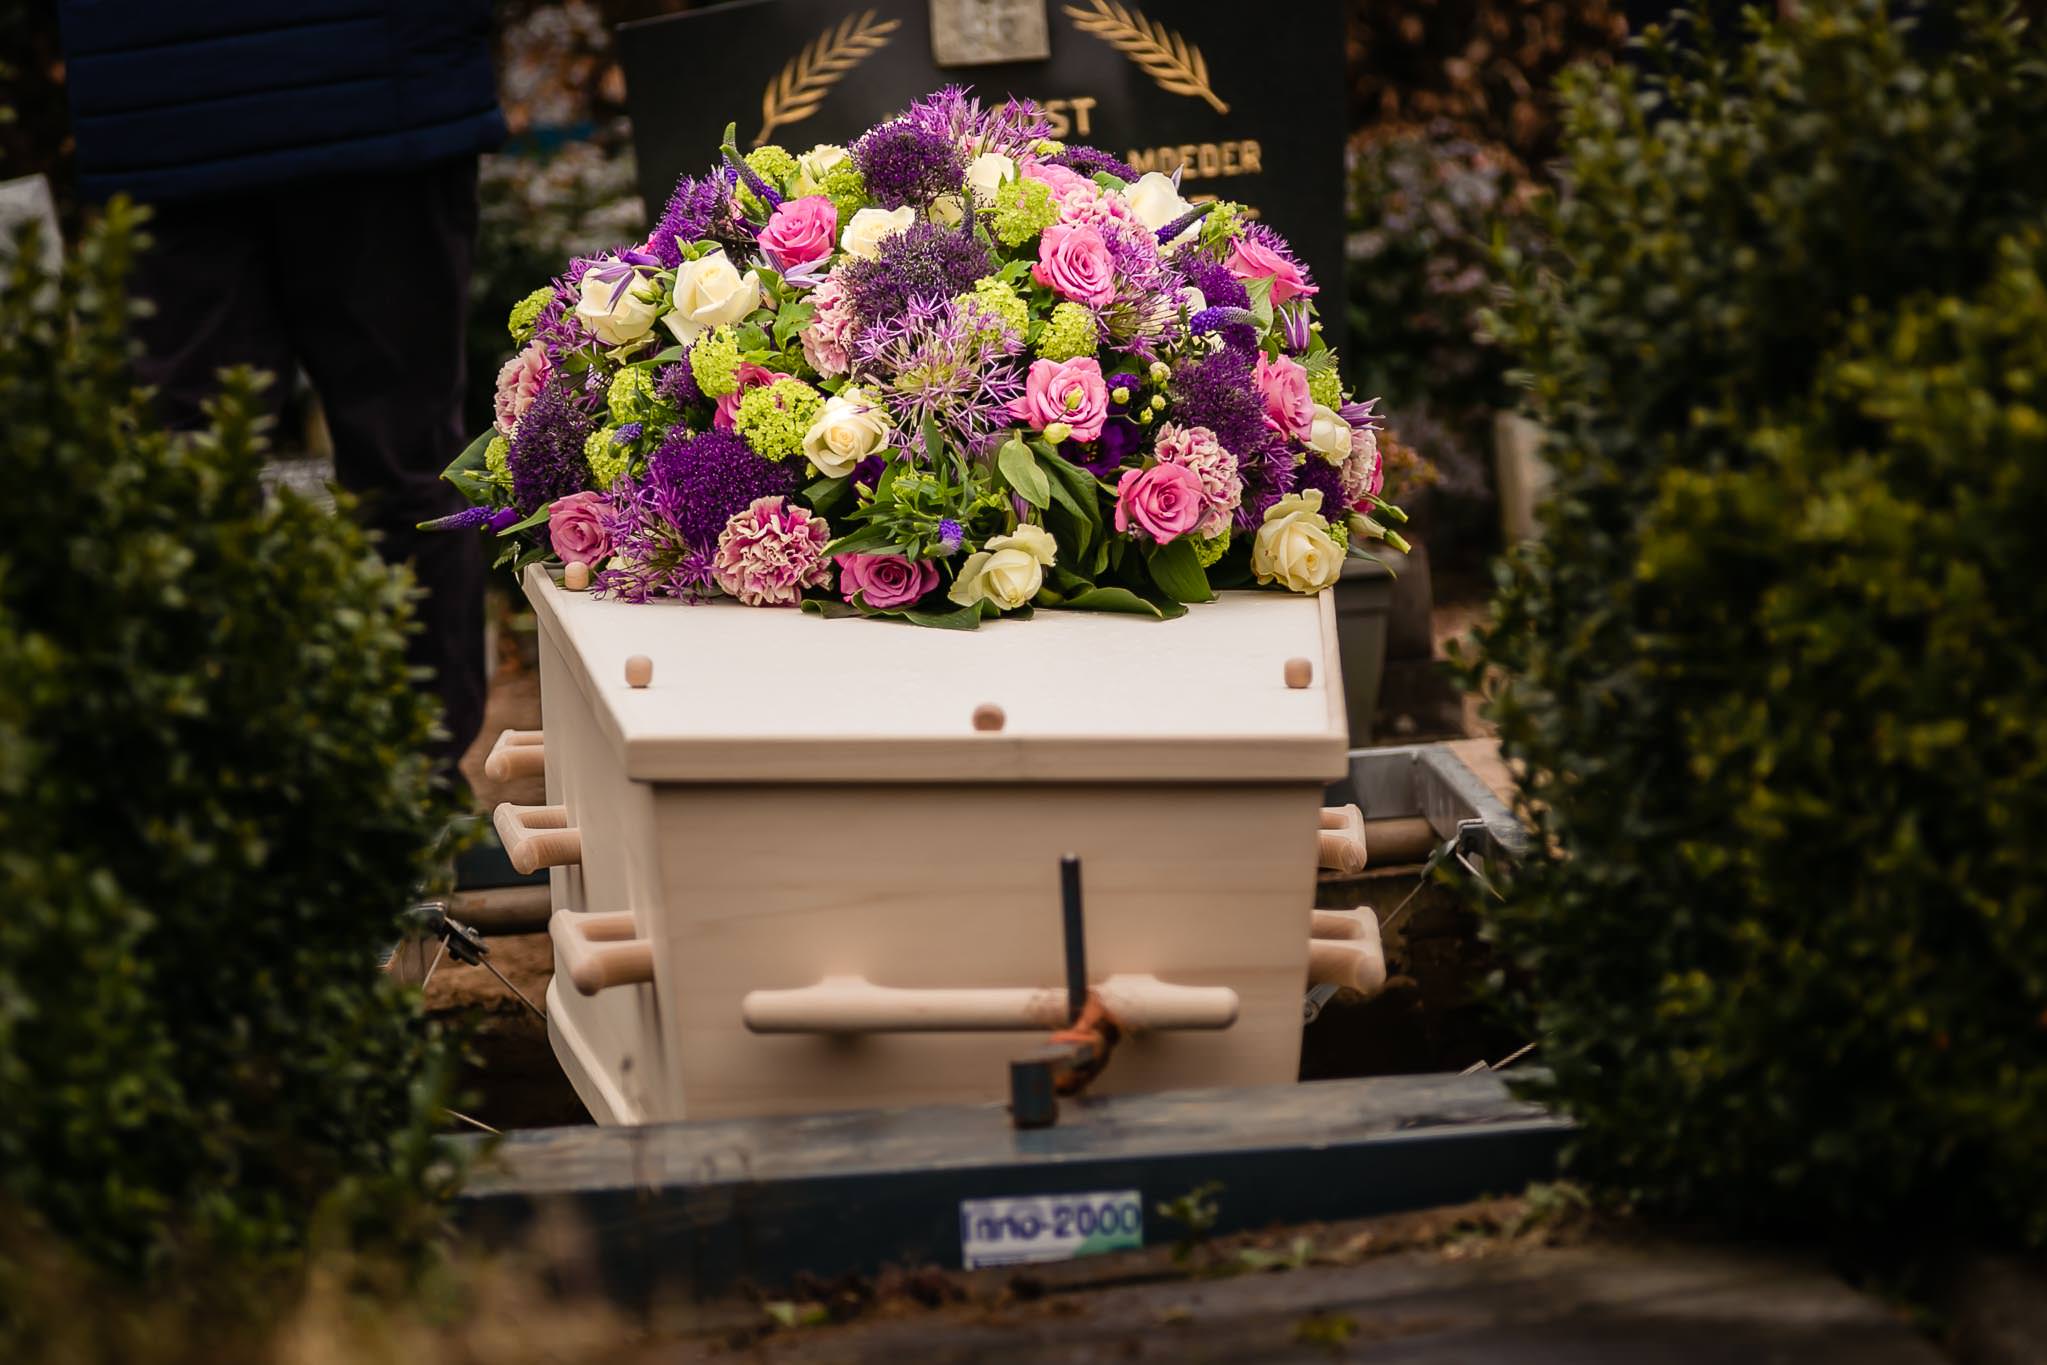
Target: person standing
pixel 312 168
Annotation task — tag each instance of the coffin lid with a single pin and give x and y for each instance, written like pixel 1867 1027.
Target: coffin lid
pixel 744 694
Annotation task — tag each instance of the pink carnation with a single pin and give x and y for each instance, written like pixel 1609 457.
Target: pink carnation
pixel 1067 186
pixel 769 553
pixel 1283 384
pixel 1074 262
pixel 1164 501
pixel 1364 471
pixel 800 232
pixel 1196 450
pixel 1069 391
pixel 1250 259
pixel 829 331
pixel 751 376
pixel 519 383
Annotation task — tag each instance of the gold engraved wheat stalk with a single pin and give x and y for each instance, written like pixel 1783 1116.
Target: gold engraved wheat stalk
pixel 1176 64
pixel 795 94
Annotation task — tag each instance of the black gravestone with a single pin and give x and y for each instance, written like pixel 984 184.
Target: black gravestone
pixel 1246 99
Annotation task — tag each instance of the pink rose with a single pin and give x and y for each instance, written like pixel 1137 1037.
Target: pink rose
pixel 1069 391
pixel 885 581
pixel 1283 384
pixel 1251 259
pixel 751 376
pixel 1165 501
pixel 800 232
pixel 575 527
pixel 1074 261
pixel 519 383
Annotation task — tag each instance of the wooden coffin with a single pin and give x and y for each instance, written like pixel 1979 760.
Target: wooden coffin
pixel 792 874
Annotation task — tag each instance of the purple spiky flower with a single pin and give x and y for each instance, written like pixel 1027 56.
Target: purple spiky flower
pixel 930 362
pixel 906 163
pixel 714 475
pixel 546 453
pixel 924 260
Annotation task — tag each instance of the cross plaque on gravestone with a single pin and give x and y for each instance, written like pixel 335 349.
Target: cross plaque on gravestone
pixel 1244 110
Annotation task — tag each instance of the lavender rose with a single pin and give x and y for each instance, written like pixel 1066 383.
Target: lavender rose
pixel 885 582
pixel 1165 501
pixel 575 527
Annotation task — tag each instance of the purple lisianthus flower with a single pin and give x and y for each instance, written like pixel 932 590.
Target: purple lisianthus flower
pixel 904 162
pixel 868 472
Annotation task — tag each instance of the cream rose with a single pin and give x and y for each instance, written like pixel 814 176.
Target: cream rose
pixel 850 427
pixel 1009 571
pixel 1329 435
pixel 1156 201
pixel 863 235
pixel 613 316
pixel 985 174
pixel 814 165
pixel 1293 546
pixel 947 210
pixel 710 292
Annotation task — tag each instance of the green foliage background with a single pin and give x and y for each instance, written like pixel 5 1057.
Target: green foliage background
pixel 1779 668
pixel 214 800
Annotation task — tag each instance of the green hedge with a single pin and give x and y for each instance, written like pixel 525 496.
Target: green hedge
pixel 1779 668
pixel 214 801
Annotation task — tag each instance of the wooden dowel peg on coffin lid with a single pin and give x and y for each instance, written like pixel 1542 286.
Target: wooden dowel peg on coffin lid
pixel 639 671
pixel 576 577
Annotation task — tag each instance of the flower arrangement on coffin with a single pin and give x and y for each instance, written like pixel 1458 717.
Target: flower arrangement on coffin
pixel 955 370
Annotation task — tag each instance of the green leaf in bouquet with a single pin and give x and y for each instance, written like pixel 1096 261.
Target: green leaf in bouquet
pixel 961 618
pixel 1177 571
pixel 667 357
pixel 1023 474
pixel 868 539
pixel 1260 290
pixel 529 523
pixel 463 471
pixel 1119 600
pixel 751 337
pixel 825 494
pixel 1015 271
pixel 791 319
pixel 829 609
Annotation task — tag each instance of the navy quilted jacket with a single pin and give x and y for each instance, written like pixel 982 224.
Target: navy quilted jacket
pixel 175 98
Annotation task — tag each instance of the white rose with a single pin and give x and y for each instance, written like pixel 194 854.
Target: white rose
pixel 814 165
pixel 1193 301
pixel 1156 201
pixel 710 292
pixel 615 320
pixel 1009 571
pixel 1329 436
pixel 985 174
pixel 848 429
pixel 1293 546
pixel 863 235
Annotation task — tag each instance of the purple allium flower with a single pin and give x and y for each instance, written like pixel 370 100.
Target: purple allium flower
pixel 1012 128
pixel 546 453
pixel 904 163
pixel 676 384
pixel 713 476
pixel 1145 309
pixel 951 535
pixel 1319 473
pixel 1269 475
pixel 931 363
pixel 1217 392
pixel 649 556
pixel 924 260
pixel 1091 161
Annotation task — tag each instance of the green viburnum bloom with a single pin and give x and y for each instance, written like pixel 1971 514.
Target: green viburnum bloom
pixel 526 312
pixel 774 417
pixel 605 456
pixel 1223 225
pixel 1023 209
pixel 1326 388
pixel 1000 301
pixel 1207 552
pixel 1069 333
pixel 496 457
pixel 846 188
pixel 631 396
pixel 1339 531
pixel 714 360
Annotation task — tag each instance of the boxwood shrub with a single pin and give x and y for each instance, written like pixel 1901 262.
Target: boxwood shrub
pixel 1778 670
pixel 214 803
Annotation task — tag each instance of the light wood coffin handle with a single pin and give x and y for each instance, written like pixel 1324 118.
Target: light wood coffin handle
pixel 600 951
pixel 853 1004
pixel 518 753
pixel 1340 843
pixel 1358 962
pixel 537 836
pixel 1340 924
